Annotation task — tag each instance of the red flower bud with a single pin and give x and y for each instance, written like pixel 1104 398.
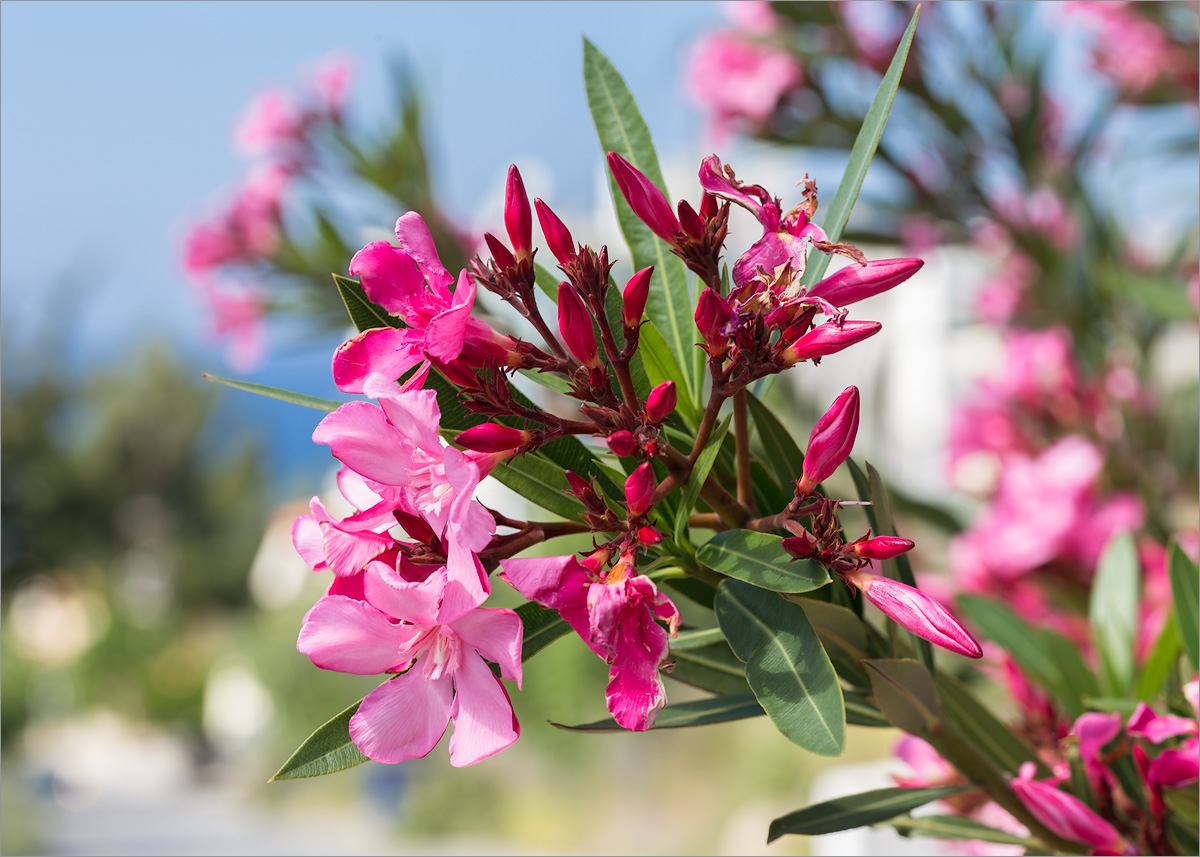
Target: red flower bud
pixel 831 440
pixel 828 338
pixel 639 489
pixel 493 437
pixel 712 314
pixel 634 298
pixel 518 219
pixel 660 402
pixel 708 207
pixel 647 201
pixel 502 255
pixel 858 282
pixel 622 443
pixel 690 221
pixel 562 245
pixel 1067 815
pixel 575 325
pixel 649 536
pixel 915 611
pixel 882 547
pixel 800 547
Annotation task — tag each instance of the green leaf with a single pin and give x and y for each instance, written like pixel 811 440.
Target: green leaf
pixel 1113 610
pixel 1111 703
pixel 863 487
pixel 541 628
pixel 781 451
pixel 700 471
pixel 982 729
pixel 957 827
pixel 862 714
pixel 905 693
pixel 759 559
pixel 696 639
pixel 660 365
pixel 843 635
pixel 1185 803
pixel 713 668
pixel 363 313
pixel 541 482
pixel 277 393
pixel 326 751
pixel 621 129
pixel 1185 584
pixel 786 667
pixel 1161 661
pixel 862 152
pixel 698 712
pixel 860 810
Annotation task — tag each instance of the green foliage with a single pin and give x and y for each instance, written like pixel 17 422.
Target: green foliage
pixel 326 751
pixel 700 712
pixel 858 810
pixel 957 827
pixel 1185 593
pixel 905 694
pixel 1114 606
pixel 758 559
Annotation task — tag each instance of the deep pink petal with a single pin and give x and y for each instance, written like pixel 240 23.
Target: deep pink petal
pixel 359 436
pixel 403 718
pixel 391 279
pixel 415 602
pixel 351 636
pixel 484 723
pixel 1095 731
pixel 495 634
pixel 385 350
pixel 557 582
pixel 415 239
pixel 1178 767
pixel 413 413
pixel 1068 816
pixel 767 252
pixel 635 692
pixel 308 541
pixel 348 552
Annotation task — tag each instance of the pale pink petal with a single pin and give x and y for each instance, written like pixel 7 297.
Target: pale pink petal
pixel 414 413
pixel 359 436
pixel 415 602
pixel 347 553
pixel 355 489
pixel 496 634
pixel 414 237
pixel 385 350
pixel 467 584
pixel 308 541
pixel 351 636
pixel 403 718
pixel 484 723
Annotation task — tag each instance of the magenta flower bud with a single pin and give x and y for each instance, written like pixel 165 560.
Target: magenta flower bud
pixel 649 536
pixel 1067 816
pixel 799 547
pixel 858 282
pixel 831 440
pixel 828 338
pixel 708 206
pixel 882 547
pixel 634 297
pixel 647 201
pixel 493 437
pixel 579 486
pixel 622 443
pixel 660 402
pixel 518 219
pixel 575 325
pixel 502 255
pixel 690 221
pixel 639 489
pixel 562 245
pixel 915 611
pixel 712 314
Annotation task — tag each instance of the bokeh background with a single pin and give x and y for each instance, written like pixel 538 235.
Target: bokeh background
pixel 150 594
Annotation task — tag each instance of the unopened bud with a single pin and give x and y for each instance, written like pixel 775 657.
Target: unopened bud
pixel 708 206
pixel 831 440
pixel 562 245
pixel 828 338
pixel 634 297
pixel 690 221
pixel 858 282
pixel 622 443
pixel 493 437
pixel 800 547
pixel 639 489
pixel 660 402
pixel 882 547
pixel 649 536
pixel 502 255
pixel 575 325
pixel 1067 816
pixel 913 610
pixel 712 314
pixel 647 201
pixel 518 219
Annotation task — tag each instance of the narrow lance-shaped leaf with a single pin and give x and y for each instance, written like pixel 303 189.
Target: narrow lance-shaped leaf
pixel 846 813
pixel 905 693
pixel 541 628
pixel 700 712
pixel 691 490
pixel 759 559
pixel 326 751
pixel 785 457
pixel 713 668
pixel 621 129
pixel 958 827
pixel 1185 590
pixel 786 666
pixel 1113 610
pixel 277 393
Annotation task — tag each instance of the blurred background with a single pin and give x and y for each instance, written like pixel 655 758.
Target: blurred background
pixel 179 180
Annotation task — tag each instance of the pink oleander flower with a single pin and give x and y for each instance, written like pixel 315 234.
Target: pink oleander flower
pixel 1066 815
pixel 828 338
pixel 575 325
pixel 645 199
pixel 402 625
pixel 857 282
pixel 660 402
pixel 1129 50
pixel 831 441
pixel 271 121
pixel 396 447
pixel 558 236
pixel 330 84
pixel 1156 728
pixel 929 768
pixel 614 613
pixel 734 78
pixel 913 610
pixel 633 299
pixel 753 16
pixel 237 315
pixel 410 282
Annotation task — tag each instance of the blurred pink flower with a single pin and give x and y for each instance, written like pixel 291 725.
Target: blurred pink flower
pixel 737 79
pixel 330 83
pixel 753 16
pixel 271 121
pixel 237 315
pixel 1129 49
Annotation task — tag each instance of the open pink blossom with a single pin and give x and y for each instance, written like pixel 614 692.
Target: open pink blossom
pixel 735 78
pixel 411 283
pixel 614 614
pixel 401 625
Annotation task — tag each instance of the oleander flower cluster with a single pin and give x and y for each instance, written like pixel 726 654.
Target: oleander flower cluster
pixel 411 568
